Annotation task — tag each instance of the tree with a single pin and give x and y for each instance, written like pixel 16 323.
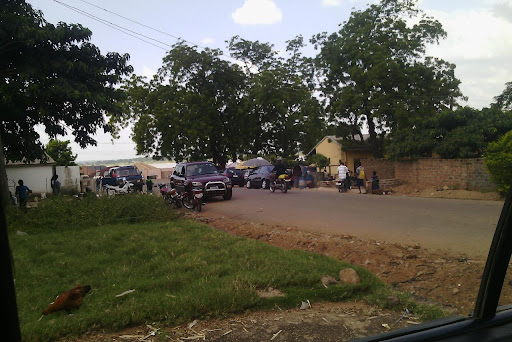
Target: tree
pixel 463 133
pixel 60 152
pixel 498 159
pixel 374 71
pixel 283 115
pixel 54 77
pixel 190 110
pixel 504 100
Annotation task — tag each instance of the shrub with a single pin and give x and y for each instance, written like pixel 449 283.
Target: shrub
pixel 498 159
pixel 61 212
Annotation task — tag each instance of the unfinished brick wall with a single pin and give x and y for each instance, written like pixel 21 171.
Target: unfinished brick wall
pixel 462 174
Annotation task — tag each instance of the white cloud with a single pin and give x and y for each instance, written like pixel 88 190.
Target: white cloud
pixel 207 40
pixel 331 3
pixel 257 12
pixel 477 43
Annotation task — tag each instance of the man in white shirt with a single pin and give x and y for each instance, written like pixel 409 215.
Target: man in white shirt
pixel 342 171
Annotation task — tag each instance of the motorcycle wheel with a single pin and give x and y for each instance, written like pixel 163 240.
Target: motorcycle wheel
pixel 339 189
pixel 187 203
pixel 177 203
pixel 248 184
pixel 272 188
pixel 284 189
pixel 199 206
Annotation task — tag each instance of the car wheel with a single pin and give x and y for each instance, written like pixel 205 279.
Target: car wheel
pixel 248 184
pixel 228 195
pixel 264 184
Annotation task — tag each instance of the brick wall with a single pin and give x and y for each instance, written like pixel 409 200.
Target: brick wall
pixel 462 174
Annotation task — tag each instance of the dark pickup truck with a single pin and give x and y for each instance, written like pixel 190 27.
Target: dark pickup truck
pixel 117 176
pixel 204 176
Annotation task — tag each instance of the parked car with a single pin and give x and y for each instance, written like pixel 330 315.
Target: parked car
pixel 260 177
pixel 203 175
pixel 237 176
pixel 117 176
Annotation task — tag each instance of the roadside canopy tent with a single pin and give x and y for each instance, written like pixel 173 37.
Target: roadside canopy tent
pixel 252 163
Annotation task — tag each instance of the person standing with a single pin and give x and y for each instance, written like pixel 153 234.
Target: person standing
pixel 361 178
pixel 297 172
pixel 55 184
pixel 22 191
pixel 375 182
pixel 149 185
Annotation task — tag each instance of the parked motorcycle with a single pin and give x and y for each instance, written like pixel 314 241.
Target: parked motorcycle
pixel 170 195
pixel 282 183
pixel 192 198
pixel 118 190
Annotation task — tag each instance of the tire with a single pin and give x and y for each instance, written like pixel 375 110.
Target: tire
pixel 199 206
pixel 248 184
pixel 187 203
pixel 264 184
pixel 284 189
pixel 339 189
pixel 272 188
pixel 227 196
pixel 177 203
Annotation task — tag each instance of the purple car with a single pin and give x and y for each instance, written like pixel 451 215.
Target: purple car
pixel 204 176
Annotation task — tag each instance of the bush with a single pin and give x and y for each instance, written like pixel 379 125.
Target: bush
pixel 62 213
pixel 498 159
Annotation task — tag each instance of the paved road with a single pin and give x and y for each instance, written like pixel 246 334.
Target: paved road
pixel 462 226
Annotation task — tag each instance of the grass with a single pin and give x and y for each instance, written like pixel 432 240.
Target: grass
pixel 180 270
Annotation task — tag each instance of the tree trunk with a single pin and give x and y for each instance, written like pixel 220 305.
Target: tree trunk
pixel 4 188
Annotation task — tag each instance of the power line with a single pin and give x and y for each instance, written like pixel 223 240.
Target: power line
pixel 112 25
pixel 144 25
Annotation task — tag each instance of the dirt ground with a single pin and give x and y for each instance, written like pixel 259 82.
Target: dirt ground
pixel 450 281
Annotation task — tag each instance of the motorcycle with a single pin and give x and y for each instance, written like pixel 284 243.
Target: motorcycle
pixel 170 195
pixel 192 198
pixel 118 190
pixel 282 183
pixel 344 185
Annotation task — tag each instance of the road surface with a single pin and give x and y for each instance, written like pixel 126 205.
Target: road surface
pixel 460 226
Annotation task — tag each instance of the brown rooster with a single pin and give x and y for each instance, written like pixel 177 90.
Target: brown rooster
pixel 68 300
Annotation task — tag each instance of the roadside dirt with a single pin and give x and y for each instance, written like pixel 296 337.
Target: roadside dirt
pixel 448 280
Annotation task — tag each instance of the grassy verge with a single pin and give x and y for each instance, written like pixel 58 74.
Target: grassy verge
pixel 180 270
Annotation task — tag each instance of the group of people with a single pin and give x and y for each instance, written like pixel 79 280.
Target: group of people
pixel 344 173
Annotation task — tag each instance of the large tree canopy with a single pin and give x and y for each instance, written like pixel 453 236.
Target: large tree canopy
pixel 201 106
pixel 52 76
pixel 374 72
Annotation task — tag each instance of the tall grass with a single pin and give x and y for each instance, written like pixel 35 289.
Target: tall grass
pixel 180 271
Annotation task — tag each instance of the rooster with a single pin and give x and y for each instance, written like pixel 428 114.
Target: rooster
pixel 68 300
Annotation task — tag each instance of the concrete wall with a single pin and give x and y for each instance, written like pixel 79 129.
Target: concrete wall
pixel 36 177
pixel 69 178
pixel 461 174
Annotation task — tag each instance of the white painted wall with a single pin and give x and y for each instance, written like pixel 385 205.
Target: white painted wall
pixel 69 177
pixel 36 177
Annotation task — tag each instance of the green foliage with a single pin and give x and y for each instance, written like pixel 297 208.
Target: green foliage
pixel 60 152
pixel 463 133
pixel 504 100
pixel 52 76
pixel 375 73
pixel 498 159
pixel 180 271
pixel 320 160
pixel 60 213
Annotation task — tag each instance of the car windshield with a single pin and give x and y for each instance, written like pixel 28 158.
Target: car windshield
pixel 127 172
pixel 201 169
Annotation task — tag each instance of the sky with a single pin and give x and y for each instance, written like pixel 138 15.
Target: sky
pixel 479 38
